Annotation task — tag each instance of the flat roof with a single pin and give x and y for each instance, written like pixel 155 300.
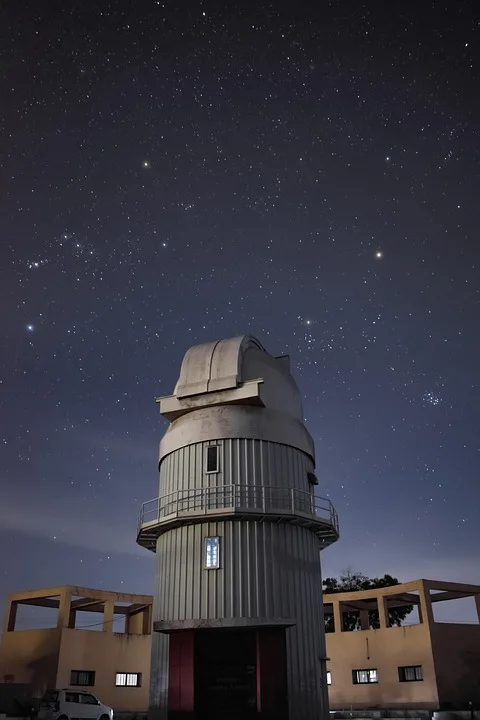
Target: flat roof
pixel 405 593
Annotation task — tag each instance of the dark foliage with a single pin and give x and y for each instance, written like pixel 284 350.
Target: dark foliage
pixel 351 581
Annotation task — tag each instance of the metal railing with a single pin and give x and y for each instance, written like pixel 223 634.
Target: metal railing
pixel 257 499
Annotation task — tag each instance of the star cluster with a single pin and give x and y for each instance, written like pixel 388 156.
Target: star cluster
pixel 306 173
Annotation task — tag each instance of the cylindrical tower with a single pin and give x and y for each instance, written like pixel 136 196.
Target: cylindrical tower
pixel 237 530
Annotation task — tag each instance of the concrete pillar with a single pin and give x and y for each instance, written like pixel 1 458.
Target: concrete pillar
pixel 425 610
pixel 108 610
pixel 64 610
pixel 134 624
pixel 72 618
pixel 147 620
pixel 337 616
pixel 383 611
pixel 364 620
pixel 11 616
pixel 139 623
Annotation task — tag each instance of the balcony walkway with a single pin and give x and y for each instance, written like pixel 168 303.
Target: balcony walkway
pixel 248 502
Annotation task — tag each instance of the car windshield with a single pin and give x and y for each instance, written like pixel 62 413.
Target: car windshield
pixel 50 696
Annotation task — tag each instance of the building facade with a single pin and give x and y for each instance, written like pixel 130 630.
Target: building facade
pixel 428 664
pixel 237 529
pixel 114 666
pixel 424 665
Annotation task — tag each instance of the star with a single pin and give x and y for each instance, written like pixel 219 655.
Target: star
pixel 262 222
pixel 432 398
pixel 37 264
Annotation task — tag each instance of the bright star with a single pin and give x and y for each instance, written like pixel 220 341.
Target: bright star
pixel 30 328
pixel 379 254
pixel 145 164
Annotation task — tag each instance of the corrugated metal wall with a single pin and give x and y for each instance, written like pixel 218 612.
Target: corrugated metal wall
pixel 158 698
pixel 267 570
pixel 242 461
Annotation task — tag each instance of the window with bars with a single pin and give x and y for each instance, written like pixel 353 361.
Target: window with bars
pixel 410 673
pixel 363 677
pixel 85 678
pixel 124 679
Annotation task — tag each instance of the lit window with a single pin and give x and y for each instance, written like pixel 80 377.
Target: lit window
pixel 410 673
pixel 128 679
pixel 212 459
pixel 329 677
pixel 212 553
pixel 362 677
pixel 85 678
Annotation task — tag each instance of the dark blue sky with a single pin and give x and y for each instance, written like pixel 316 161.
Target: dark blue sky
pixel 174 173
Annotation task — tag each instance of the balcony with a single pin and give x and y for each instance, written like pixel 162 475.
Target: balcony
pixel 248 502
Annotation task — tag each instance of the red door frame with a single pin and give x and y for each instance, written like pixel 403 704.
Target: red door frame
pixel 272 693
pixel 180 672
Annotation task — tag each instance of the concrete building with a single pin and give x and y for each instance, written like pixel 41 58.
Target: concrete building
pixel 427 665
pixel 434 665
pixel 237 528
pixel 114 666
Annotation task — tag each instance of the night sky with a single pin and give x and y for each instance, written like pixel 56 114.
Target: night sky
pixel 172 173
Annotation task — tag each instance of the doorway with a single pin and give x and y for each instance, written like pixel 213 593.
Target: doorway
pixel 225 676
pixel 230 673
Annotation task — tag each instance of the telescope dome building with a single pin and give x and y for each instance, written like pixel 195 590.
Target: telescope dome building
pixel 237 529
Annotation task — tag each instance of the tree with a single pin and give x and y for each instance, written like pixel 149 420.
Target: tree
pixel 350 581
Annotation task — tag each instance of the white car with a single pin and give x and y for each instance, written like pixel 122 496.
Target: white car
pixel 70 704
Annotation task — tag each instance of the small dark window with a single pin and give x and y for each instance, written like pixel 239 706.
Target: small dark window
pixel 212 459
pixel 312 478
pixel 85 678
pixel 362 677
pixel 88 699
pixel 410 673
pixel 123 679
pixel 71 697
pixel 51 696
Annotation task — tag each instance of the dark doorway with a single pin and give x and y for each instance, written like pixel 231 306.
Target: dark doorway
pixel 225 674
